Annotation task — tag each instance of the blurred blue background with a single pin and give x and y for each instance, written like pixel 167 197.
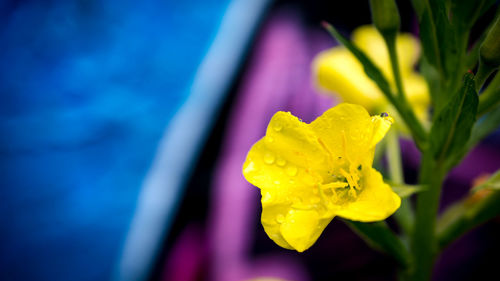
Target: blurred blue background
pixel 87 89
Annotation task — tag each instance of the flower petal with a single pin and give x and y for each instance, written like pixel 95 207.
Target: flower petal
pixel 381 126
pixel 337 70
pixel 302 228
pixel 416 90
pixel 346 131
pixel 376 201
pixel 272 217
pixel 368 39
pixel 287 165
pixel 288 155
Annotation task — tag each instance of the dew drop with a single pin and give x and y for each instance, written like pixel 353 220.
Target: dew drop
pixel 280 218
pixel 315 200
pixel 251 167
pixel 291 170
pixel 355 134
pixel 277 182
pixel 280 161
pixel 277 127
pixel 269 158
pixel 269 139
pixel 266 197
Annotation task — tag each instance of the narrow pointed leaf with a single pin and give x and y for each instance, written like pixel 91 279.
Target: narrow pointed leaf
pixel 452 128
pixel 406 190
pixel 465 215
pixel 380 237
pixel 485 126
pixel 493 183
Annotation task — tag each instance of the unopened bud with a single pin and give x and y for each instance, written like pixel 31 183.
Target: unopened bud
pixel 385 16
pixel 490 49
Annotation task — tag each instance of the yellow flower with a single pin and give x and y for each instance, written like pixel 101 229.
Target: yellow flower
pixel 309 173
pixel 337 70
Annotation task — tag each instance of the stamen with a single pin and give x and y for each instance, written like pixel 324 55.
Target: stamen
pixel 349 178
pixel 352 193
pixel 333 185
pixel 354 174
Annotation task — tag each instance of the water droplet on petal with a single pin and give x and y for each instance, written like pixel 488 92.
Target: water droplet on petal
pixel 291 212
pixel 277 182
pixel 291 170
pixel 315 200
pixel 280 161
pixel 266 197
pixel 277 127
pixel 280 218
pixel 355 134
pixel 269 139
pixel 251 167
pixel 269 158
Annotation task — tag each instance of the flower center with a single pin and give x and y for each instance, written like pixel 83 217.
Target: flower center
pixel 344 188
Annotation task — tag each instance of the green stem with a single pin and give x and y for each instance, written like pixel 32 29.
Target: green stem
pixel 401 102
pixel 390 41
pixel 404 215
pixel 424 244
pixel 417 130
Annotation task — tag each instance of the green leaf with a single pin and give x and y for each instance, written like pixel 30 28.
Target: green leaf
pixel 438 39
pixel 465 215
pixel 490 97
pixel 429 40
pixel 473 54
pixel 380 237
pixel 464 13
pixel 451 129
pixel 485 126
pixel 406 190
pixel 493 183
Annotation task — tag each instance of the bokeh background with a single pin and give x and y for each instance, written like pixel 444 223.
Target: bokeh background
pixel 124 125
